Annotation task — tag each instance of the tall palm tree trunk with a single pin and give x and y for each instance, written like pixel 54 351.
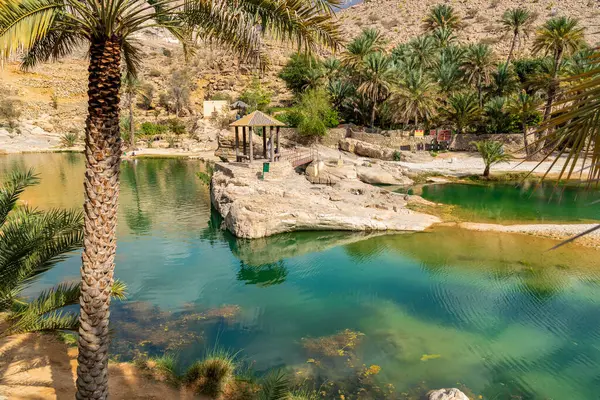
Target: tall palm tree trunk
pixel 103 156
pixel 131 124
pixel 512 48
pixel 373 111
pixel 551 94
pixel 525 141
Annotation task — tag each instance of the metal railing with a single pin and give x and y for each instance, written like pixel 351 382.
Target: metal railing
pixel 298 157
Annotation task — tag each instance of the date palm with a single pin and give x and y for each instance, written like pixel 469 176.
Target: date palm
pixel 577 124
pixel 526 107
pixel 492 153
pixel 377 76
pixel 461 111
pixel 50 29
pixel 368 42
pixel 441 16
pixel 415 98
pixel 444 37
pixel 557 38
pixel 478 64
pixel 516 21
pixel 422 48
pixel 31 243
pixel 504 81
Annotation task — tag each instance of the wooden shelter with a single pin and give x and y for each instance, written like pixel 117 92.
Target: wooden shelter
pixel 250 123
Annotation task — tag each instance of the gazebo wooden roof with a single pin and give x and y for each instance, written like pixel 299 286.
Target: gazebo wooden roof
pixel 257 119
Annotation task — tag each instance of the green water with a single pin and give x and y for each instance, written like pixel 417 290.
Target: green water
pixel 495 314
pixel 506 202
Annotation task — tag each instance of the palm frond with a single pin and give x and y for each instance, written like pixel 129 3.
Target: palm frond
pixel 54 321
pixel 12 190
pixel 24 22
pixel 119 290
pixel 275 386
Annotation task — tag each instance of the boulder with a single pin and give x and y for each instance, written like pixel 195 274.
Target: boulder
pixel 447 394
pixel 378 176
pixel 365 149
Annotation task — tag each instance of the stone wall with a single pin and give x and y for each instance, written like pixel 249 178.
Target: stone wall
pixel 513 142
pixel 400 140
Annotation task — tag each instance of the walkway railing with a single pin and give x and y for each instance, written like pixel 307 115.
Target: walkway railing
pixel 298 157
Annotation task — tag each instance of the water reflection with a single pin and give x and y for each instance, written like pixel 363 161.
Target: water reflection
pixel 495 312
pixel 263 275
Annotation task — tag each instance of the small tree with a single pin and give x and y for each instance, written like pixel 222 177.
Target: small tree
pixel 316 113
pixel 256 96
pixel 180 89
pixel 146 92
pixel 492 153
pixel 10 111
pixel 296 72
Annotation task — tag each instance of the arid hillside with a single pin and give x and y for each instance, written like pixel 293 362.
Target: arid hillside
pixel 401 20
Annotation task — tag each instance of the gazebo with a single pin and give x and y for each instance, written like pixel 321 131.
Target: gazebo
pixel 250 122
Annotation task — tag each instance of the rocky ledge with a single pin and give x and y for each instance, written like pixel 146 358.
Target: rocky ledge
pixel 286 201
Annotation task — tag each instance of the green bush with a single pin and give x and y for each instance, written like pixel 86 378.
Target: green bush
pixel 151 129
pixel 296 73
pixel 291 118
pixel 316 112
pixel 257 97
pixel 10 110
pixel 176 126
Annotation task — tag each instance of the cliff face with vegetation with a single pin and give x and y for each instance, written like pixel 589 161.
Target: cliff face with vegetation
pixel 401 20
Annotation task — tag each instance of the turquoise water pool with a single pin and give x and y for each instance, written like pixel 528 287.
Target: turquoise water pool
pixel 503 202
pixel 494 314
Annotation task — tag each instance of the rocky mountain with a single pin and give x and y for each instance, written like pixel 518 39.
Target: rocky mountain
pixel 400 20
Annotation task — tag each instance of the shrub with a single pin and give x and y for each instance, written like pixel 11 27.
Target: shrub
pixel 317 113
pixel 211 376
pixel 69 139
pixel 291 118
pixel 295 73
pixel 146 96
pixel 172 141
pixel 180 89
pixel 176 126
pixel 167 52
pixel 151 129
pixel 54 100
pixel 10 111
pixel 256 96
pixel 163 101
pixel 397 156
pixel 221 96
pixel 154 73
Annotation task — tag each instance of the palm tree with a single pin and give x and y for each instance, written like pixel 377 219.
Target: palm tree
pixel 376 80
pixel 368 42
pixel 415 99
pixel 516 21
pixel 504 81
pixel 31 243
pixel 441 16
pixel 444 37
pixel 525 106
pixel 558 37
pixel 477 66
pixel 49 29
pixel 132 86
pixel 339 91
pixel 492 153
pixel 461 111
pixel 497 120
pixel 422 48
pixel 449 77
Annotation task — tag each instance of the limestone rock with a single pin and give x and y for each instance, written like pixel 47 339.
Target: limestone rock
pixel 447 394
pixel 254 208
pixel 379 176
pixel 365 149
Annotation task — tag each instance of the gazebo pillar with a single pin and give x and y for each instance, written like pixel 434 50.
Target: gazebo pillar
pixel 237 144
pixel 250 143
pixel 244 139
pixel 264 135
pixel 277 130
pixel 272 150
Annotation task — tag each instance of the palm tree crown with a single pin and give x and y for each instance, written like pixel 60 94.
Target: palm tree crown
pixel 477 65
pixel 558 36
pixel 516 21
pixel 441 16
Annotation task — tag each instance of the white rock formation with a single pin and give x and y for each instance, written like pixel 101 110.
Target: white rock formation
pixel 286 201
pixel 447 394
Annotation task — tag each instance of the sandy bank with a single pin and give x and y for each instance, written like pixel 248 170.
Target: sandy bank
pixel 36 366
pixel 552 231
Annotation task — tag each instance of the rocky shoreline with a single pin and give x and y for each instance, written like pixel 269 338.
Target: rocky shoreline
pixel 286 201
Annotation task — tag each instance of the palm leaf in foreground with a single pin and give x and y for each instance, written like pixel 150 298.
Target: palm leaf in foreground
pixel 575 128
